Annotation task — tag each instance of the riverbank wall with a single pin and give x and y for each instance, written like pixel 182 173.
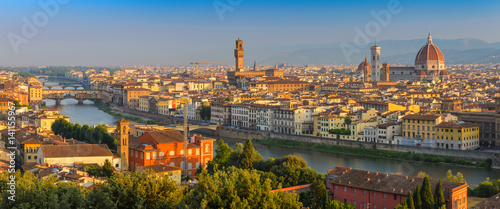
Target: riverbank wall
pixel 463 154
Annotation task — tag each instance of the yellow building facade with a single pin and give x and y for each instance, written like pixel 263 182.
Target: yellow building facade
pixel 457 136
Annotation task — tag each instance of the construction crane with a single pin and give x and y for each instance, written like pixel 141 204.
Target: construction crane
pixel 197 63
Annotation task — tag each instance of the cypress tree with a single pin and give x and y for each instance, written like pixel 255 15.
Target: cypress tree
pixel 416 199
pixel 426 194
pixel 246 161
pixel 409 201
pixel 439 196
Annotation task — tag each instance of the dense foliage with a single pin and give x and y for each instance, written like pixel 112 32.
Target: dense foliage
pixel 97 135
pixel 105 171
pixel 485 189
pixel 17 104
pixel 234 188
pixel 285 171
pixel 25 75
pixel 205 113
pixel 341 131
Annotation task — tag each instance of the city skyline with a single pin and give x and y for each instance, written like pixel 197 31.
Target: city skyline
pixel 176 33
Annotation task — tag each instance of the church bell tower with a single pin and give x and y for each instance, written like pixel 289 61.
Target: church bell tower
pixel 375 60
pixel 238 54
pixel 121 135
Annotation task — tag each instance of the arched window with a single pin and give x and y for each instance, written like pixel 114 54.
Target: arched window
pixel 172 153
pixel 182 151
pixel 172 164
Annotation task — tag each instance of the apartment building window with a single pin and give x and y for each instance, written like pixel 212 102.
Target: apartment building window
pixel 190 151
pixel 354 191
pixel 384 195
pixel 395 197
pixel 364 205
pixel 154 155
pixel 148 155
pixel 335 187
pixel 364 192
pixel 345 189
pixel 374 206
pixel 142 155
pixel 172 153
pixel 374 193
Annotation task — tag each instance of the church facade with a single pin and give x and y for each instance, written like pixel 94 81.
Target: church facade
pixel 429 65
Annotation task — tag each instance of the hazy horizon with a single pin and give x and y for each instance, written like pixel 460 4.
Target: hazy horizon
pixel 124 33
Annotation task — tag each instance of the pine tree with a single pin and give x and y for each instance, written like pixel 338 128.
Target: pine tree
pixel 416 199
pixel 409 201
pixel 426 195
pixel 439 196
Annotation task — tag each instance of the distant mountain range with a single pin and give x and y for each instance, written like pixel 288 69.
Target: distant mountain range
pixel 395 52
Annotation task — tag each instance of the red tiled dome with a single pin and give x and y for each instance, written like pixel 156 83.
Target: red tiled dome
pixel 362 66
pixel 429 52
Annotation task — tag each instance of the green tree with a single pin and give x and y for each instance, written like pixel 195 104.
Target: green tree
pixel 347 122
pixel 409 201
pixel 246 159
pixel 107 169
pixel 457 178
pixel 205 112
pixel 439 197
pixel 316 195
pixel 223 153
pixel 142 190
pixel 237 188
pixel 426 194
pixel 416 199
pixel 403 205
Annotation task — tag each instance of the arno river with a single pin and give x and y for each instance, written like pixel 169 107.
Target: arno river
pixel 320 161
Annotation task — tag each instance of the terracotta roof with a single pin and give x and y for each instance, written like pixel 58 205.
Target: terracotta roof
pixel 421 117
pixel 78 150
pixel 164 136
pixel 456 125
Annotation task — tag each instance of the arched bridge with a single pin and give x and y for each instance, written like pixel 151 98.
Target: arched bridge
pixel 62 86
pixel 80 95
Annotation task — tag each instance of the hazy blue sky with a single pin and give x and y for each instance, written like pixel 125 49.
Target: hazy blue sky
pixel 166 32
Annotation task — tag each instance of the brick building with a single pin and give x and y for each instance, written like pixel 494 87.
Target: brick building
pixel 167 147
pixel 372 190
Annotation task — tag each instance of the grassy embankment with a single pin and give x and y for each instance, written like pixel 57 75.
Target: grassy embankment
pixel 375 153
pixel 105 108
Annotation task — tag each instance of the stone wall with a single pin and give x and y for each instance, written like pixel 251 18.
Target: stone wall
pixel 467 155
pixel 240 134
